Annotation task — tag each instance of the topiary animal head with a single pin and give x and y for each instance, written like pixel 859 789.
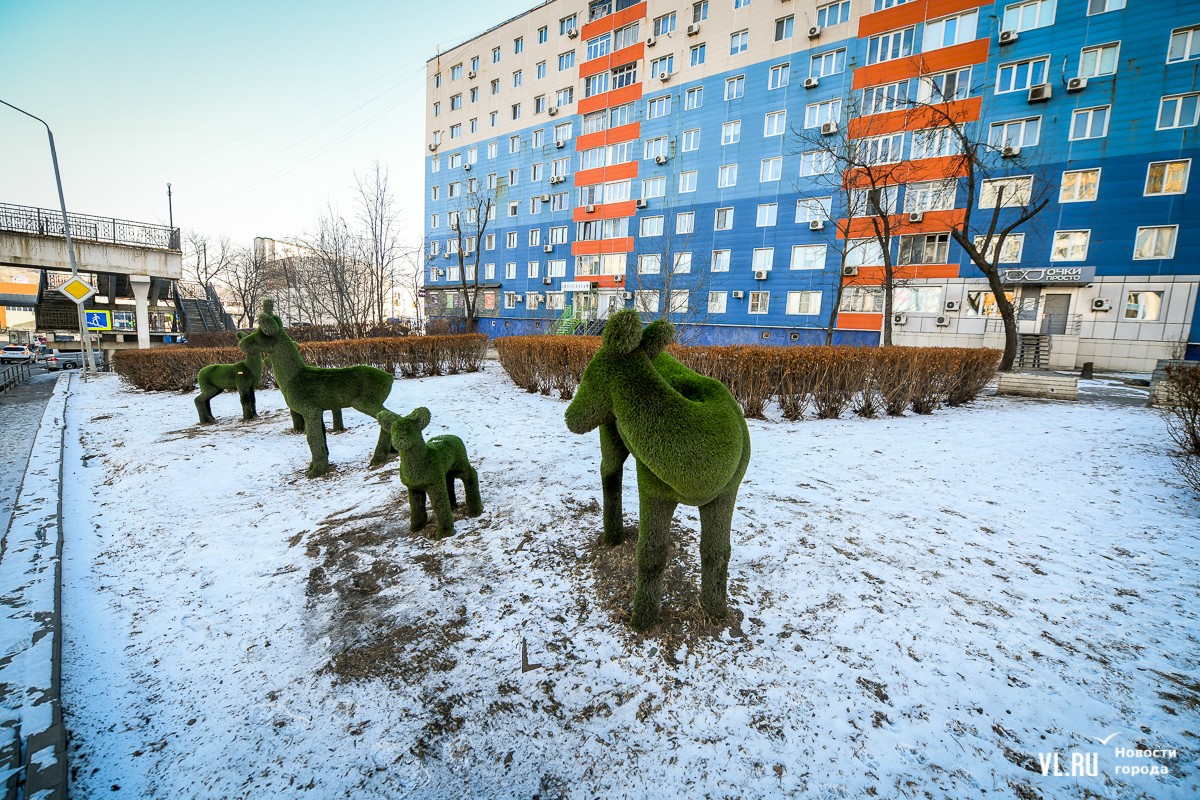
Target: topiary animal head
pixel 267 336
pixel 626 347
pixel 406 431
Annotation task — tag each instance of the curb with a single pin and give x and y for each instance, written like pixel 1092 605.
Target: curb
pixel 33 742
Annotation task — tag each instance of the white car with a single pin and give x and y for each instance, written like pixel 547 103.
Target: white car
pixel 17 354
pixel 61 359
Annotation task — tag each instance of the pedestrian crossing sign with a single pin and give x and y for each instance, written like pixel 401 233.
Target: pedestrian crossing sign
pixel 98 320
pixel 77 289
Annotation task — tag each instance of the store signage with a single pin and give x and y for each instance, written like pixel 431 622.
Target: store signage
pixel 577 286
pixel 1052 275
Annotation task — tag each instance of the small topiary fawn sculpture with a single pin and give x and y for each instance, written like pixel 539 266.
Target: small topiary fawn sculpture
pixel 310 391
pixel 691 444
pixel 429 468
pixel 241 377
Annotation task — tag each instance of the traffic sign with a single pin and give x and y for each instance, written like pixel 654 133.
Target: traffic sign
pixel 98 320
pixel 77 289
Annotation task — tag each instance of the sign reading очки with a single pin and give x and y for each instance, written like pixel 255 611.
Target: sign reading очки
pixel 1051 275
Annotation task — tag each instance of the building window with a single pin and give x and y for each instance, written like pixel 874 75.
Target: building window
pixel 863 253
pixel 534 267
pixel 513 175
pixel 658 107
pixel 783 28
pixel 624 76
pixel 539 104
pixel 890 46
pixel 598 47
pixel 678 302
pixel 716 302
pixel 875 202
pixel 433 248
pixel 1143 305
pixel 435 164
pixel 1016 191
pixel 510 240
pixel 723 220
pixel 510 299
pixel 616 191
pixel 771 169
pixel 565 24
pixel 437 81
pixel 944 87
pixel 510 270
pixel 1167 177
pixel 738 42
pixel 456 102
pixel 700 11
pixel 1015 133
pixel 540 69
pixel 808 256
pixel 1020 75
pixel 767 213
pixel 731 132
pixel 935 143
pixel 654 187
pixel 880 149
pixel 779 75
pixel 828 63
pixel 561 167
pixel 1101 6
pixel 646 301
pixel 491 182
pixel 474 125
pixel 1089 123
pixel 565 97
pixel 456 72
pixel 775 124
pixel 495 55
pixel 662 66
pixel 931 248
pixel 651 226
pixel 566 61
pixel 930 196
pixel 516 79
pixel 1027 16
pixel 735 87
pixel 1079 186
pixel 543 34
pixel 815 162
pixel 803 303
pixel 625 37
pixel 1070 246
pixel 562 132
pixel 516 111
pixel 1179 111
pixel 649 264
pixel 437 109
pixel 1011 254
pixel 687 182
pixel 455 131
pixel 814 209
pixel 691 140
pixel 1185 45
pixel 740 3
pixel 727 176
pixel 685 222
pixel 494 118
pixel 950 31
pixel 489 242
pixel 881 99
pixel 560 201
pixel 695 98
pixel 656 147
pixel 817 114
pixel 720 261
pixel 592 158
pixel 833 15
pixel 759 301
pixel 518 45
pixel 698 54
pixel 1097 61
pixel 1155 242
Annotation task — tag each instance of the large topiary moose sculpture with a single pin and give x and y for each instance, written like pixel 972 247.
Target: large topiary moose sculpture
pixel 691 444
pixel 310 391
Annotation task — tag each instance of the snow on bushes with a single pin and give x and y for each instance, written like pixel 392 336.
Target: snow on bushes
pixel 830 380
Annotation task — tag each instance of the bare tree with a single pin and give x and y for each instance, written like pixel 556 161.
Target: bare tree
pixel 852 157
pixel 1008 185
pixel 334 281
pixel 377 215
pixel 246 278
pixel 470 222
pixel 670 276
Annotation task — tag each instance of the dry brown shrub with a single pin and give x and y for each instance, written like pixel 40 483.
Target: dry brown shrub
pixel 893 370
pixel 1181 409
pixel 975 369
pixel 323 333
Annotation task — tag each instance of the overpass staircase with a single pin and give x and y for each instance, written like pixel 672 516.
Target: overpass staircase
pixel 200 308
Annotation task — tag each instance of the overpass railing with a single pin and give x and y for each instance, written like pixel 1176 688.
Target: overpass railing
pixel 107 230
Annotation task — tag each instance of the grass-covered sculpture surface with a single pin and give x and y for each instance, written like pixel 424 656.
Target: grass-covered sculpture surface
pixel 430 468
pixel 691 444
pixel 310 391
pixel 241 377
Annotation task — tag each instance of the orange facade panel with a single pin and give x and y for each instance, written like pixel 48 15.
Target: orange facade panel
pixel 603 281
pixel 609 211
pixel 621 133
pixel 926 169
pixel 617 172
pixel 626 94
pixel 613 21
pixel 914 119
pixel 947 58
pixel 860 322
pixel 873 276
pixel 621 57
pixel 912 14
pixel 933 222
pixel 602 246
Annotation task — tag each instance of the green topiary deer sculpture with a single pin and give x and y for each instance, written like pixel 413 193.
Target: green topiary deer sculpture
pixel 310 391
pixel 429 468
pixel 241 377
pixel 691 444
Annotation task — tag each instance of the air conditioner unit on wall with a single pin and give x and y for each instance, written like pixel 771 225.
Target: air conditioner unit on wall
pixel 560 144
pixel 943 321
pixel 660 160
pixel 738 295
pixel 1040 94
pixel 916 216
pixel 470 74
pixel 849 272
pixel 1076 84
pixel 572 33
pixel 1008 37
pixel 665 77
pixel 546 281
pixel 952 305
pixel 545 198
pixel 1101 304
pixel 466 167
pixel 552 110
pixel 761 274
pixel 650 40
pixel 627 295
pixel 816 225
pixel 814 32
pixel 899 319
pixel 590 209
pixel 1010 152
pixel 520 298
pixel 547 248
pixel 640 203
pixel 829 128
pixel 810 83
pixel 433 148
pixel 693 29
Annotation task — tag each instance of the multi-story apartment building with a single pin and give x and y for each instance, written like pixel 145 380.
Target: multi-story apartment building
pixel 653 155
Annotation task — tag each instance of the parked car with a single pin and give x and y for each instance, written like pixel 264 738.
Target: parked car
pixel 61 359
pixel 16 354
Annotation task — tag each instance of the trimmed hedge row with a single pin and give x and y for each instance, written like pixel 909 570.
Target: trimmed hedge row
pixel 830 380
pixel 174 368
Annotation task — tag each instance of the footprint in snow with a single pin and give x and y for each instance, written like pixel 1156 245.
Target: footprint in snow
pixel 197 624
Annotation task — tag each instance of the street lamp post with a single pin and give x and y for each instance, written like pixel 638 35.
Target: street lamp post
pixel 89 362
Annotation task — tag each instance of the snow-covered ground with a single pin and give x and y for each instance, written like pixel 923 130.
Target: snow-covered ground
pixel 924 607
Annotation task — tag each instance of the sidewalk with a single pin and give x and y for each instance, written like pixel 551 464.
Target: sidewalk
pixel 20 414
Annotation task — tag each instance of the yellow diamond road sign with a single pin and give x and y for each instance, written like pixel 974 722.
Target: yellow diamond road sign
pixel 77 289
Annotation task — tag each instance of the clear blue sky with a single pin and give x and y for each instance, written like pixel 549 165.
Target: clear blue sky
pixel 258 112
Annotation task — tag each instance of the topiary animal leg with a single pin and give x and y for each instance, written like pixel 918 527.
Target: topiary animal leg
pixel 654 541
pixel 612 464
pixel 441 507
pixel 450 493
pixel 246 395
pixel 337 420
pixel 314 429
pixel 471 490
pixel 383 446
pixel 207 393
pixel 417 516
pixel 297 422
pixel 716 518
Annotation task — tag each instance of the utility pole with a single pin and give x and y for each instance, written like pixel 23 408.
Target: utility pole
pixel 83 335
pixel 170 211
